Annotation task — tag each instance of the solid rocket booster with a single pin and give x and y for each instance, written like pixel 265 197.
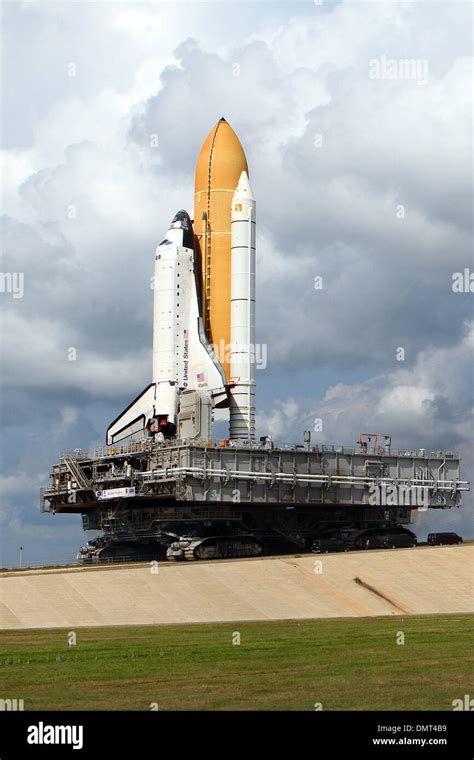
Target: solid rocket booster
pixel 242 312
pixel 220 163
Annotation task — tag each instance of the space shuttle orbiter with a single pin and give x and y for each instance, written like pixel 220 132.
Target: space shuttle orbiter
pixel 183 359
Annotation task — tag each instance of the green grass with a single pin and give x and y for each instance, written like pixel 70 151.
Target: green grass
pixel 350 664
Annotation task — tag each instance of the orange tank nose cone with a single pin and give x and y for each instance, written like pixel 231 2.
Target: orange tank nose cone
pixel 218 169
pixel 221 159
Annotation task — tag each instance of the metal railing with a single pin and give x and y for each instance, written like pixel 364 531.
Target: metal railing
pixel 71 563
pixel 139 447
pixel 26 565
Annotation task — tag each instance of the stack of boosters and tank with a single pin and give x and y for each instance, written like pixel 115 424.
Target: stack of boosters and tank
pixel 204 308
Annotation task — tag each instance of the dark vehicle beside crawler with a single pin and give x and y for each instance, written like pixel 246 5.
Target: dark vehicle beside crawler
pixel 442 539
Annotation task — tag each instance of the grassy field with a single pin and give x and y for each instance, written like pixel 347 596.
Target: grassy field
pixel 353 664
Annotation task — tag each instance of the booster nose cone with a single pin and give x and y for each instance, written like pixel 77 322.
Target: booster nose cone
pixel 243 189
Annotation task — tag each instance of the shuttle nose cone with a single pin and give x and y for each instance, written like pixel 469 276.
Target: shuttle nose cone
pixel 182 221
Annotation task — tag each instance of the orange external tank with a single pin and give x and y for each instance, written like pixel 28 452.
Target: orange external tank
pixel 219 166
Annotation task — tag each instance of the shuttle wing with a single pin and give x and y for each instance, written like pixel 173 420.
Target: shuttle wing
pixel 134 417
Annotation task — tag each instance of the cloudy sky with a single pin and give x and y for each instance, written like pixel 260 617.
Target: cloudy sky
pixel 361 166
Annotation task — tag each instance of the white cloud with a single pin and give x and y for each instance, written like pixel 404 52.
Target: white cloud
pixel 41 356
pixel 405 400
pixel 280 420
